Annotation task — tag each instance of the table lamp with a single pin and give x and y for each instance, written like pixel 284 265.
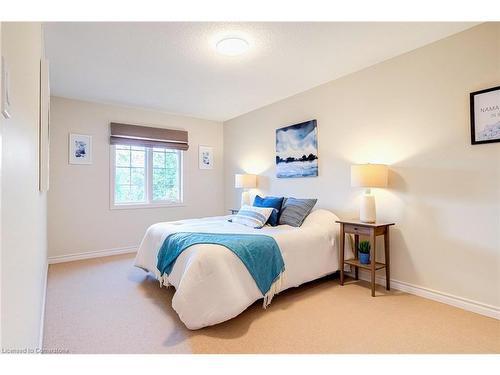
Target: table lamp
pixel 368 176
pixel 245 182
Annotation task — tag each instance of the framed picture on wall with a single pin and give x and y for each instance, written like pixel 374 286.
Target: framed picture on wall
pixel 485 115
pixel 297 150
pixel 206 157
pixel 80 149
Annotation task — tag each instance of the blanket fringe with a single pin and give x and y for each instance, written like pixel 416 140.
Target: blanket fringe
pixel 163 279
pixel 275 288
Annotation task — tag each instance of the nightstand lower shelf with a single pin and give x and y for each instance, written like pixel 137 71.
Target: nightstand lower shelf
pixel 357 263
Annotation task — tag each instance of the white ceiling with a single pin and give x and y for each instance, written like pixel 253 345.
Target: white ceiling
pixel 174 67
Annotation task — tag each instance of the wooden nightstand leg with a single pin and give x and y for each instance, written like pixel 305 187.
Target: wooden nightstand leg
pixel 341 250
pixel 373 256
pixel 387 260
pixel 355 250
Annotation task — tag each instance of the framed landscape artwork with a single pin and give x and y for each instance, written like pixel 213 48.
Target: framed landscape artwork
pixel 297 150
pixel 485 116
pixel 80 149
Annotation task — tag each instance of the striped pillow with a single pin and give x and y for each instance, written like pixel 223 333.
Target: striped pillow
pixel 254 217
pixel 294 211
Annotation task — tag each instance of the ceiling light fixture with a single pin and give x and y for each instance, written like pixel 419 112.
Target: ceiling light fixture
pixel 232 46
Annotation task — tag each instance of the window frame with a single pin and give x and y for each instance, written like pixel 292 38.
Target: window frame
pixel 149 203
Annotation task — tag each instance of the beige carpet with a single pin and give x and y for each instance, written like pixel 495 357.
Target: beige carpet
pixel 107 306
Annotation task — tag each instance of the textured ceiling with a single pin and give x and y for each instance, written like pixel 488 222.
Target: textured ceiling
pixel 174 67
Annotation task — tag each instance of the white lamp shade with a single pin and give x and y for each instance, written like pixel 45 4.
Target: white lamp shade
pixel 245 181
pixel 369 175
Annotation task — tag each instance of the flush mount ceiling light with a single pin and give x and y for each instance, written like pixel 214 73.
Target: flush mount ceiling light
pixel 232 46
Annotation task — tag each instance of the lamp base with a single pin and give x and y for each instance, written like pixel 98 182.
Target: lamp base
pixel 367 211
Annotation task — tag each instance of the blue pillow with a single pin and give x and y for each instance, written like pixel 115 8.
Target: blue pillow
pixel 272 202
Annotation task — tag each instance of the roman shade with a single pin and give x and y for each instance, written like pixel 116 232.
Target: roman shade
pixel 145 136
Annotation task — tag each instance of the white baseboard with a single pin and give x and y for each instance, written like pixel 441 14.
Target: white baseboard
pixel 92 254
pixel 42 315
pixel 449 299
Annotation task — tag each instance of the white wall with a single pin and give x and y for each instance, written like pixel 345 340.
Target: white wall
pixel 79 217
pixel 1 131
pixel 23 241
pixel 410 112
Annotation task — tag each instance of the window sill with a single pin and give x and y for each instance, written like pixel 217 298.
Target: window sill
pixel 145 205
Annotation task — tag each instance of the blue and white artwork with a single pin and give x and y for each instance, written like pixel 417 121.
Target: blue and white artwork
pixel 80 149
pixel 297 150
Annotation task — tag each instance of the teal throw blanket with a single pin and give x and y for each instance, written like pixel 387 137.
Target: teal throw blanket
pixel 259 253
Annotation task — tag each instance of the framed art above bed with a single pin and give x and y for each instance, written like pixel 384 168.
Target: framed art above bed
pixel 297 150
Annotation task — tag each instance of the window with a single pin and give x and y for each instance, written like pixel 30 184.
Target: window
pixel 145 176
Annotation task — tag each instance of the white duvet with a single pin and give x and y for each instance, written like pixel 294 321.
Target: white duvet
pixel 213 285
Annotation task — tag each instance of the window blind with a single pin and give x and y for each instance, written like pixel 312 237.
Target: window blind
pixel 145 136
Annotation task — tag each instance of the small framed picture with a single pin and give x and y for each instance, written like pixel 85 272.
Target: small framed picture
pixel 80 149
pixel 485 116
pixel 5 105
pixel 206 157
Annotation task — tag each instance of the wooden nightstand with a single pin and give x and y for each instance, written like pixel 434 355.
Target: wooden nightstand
pixel 371 230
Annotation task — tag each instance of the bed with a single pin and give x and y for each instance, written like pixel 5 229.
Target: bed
pixel 212 284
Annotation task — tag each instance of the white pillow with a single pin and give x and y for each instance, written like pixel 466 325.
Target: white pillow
pixel 255 217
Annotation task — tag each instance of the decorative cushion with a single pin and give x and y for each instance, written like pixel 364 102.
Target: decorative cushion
pixel 272 202
pixel 254 217
pixel 294 211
